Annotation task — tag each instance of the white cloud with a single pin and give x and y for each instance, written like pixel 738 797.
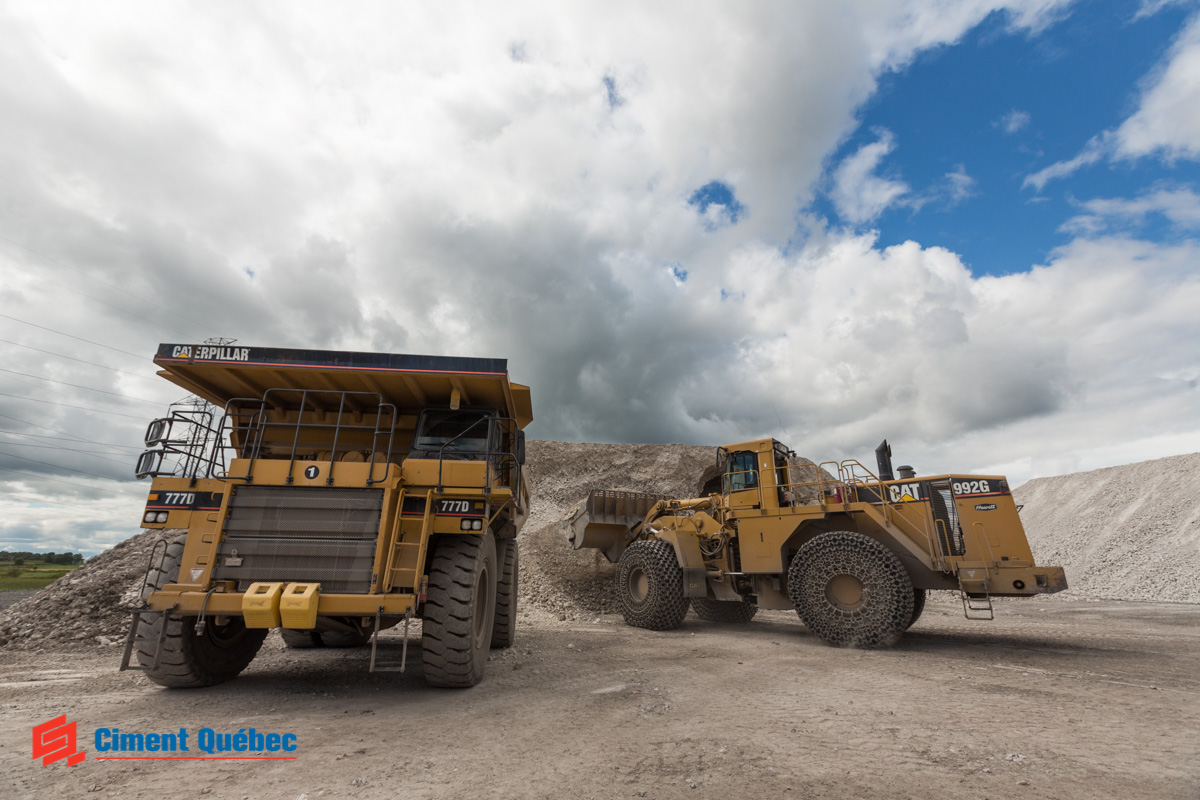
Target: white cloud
pixel 1179 206
pixel 441 179
pixel 1166 123
pixel 859 194
pixel 1014 121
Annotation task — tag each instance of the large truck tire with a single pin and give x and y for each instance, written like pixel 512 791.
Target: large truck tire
pixel 851 590
pixel 723 610
pixel 346 638
pixel 300 640
pixel 187 661
pixel 919 596
pixel 650 586
pixel 460 607
pixel 504 629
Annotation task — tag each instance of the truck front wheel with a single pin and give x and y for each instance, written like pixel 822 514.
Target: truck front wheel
pixel 851 590
pixel 217 655
pixel 456 629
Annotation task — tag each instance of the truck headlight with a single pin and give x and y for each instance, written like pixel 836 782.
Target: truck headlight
pixel 162 517
pixel 149 517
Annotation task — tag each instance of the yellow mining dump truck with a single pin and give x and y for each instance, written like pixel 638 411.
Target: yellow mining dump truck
pixel 333 495
pixel 854 554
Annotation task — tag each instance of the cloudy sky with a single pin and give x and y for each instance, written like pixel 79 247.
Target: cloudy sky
pixel 970 227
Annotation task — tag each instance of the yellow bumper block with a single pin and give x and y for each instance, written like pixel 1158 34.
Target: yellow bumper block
pixel 298 606
pixel 260 605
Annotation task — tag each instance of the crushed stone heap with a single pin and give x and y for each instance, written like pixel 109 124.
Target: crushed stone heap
pixel 1128 533
pixel 89 605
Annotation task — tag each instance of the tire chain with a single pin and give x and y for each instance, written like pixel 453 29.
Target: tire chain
pixel 887 608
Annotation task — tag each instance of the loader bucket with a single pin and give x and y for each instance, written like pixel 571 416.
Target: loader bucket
pixel 606 519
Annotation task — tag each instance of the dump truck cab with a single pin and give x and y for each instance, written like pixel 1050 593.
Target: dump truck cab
pixel 322 496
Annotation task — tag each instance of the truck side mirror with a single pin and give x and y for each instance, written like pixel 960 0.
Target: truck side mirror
pixel 158 432
pixel 520 448
pixel 148 464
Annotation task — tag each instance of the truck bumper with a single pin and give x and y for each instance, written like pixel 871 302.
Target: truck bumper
pixel 1026 581
pixel 190 602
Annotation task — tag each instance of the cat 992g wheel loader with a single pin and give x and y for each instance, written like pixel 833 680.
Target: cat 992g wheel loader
pixel 330 495
pixel 854 554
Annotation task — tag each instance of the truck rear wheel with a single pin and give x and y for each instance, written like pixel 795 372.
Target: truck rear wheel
pixel 187 660
pixel 456 630
pixel 723 610
pixel 851 590
pixel 504 629
pixel 650 586
pixel 299 640
pixel 919 596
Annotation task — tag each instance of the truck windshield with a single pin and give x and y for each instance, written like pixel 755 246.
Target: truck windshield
pixel 458 431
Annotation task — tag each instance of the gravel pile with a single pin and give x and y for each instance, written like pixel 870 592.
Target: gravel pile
pixel 1129 533
pixel 574 583
pixel 90 604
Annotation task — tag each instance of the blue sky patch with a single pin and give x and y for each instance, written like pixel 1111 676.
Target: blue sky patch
pixel 719 197
pixel 953 137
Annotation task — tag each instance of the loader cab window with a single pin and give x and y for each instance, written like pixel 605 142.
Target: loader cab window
pixel 740 472
pixel 463 434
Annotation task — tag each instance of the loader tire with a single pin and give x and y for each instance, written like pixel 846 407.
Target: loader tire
pixel 187 660
pixel 650 586
pixel 918 605
pixel 456 631
pixel 723 610
pixel 299 640
pixel 504 629
pixel 851 590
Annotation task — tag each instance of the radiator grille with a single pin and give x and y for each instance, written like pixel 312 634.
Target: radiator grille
pixel 304 534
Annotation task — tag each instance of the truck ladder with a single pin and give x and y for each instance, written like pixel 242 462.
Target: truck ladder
pixel 415 544
pixel 972 588
pixel 133 639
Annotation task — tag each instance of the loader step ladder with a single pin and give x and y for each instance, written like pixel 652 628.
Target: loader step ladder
pixel 976 600
pixel 391 666
pixel 133 639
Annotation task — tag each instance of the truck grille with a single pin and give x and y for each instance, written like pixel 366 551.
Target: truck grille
pixel 301 534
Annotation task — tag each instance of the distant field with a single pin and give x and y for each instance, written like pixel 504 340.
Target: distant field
pixel 33 575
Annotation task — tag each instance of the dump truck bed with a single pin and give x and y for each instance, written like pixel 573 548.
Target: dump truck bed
pixel 410 382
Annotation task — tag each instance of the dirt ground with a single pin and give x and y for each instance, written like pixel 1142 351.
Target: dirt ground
pixel 1054 699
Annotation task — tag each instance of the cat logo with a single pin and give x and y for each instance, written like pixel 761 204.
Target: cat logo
pixel 905 492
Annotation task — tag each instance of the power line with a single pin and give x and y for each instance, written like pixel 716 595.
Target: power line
pixel 57 466
pixel 76 440
pixel 84 361
pixel 68 405
pixel 68 449
pixel 43 427
pixel 127 293
pixel 71 336
pixel 89 388
pixel 41 477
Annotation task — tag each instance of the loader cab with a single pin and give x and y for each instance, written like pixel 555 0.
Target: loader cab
pixel 755 474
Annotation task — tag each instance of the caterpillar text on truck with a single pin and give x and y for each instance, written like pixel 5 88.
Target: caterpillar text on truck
pixel 332 495
pixel 853 553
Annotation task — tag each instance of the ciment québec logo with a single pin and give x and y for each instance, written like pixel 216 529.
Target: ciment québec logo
pixel 56 739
